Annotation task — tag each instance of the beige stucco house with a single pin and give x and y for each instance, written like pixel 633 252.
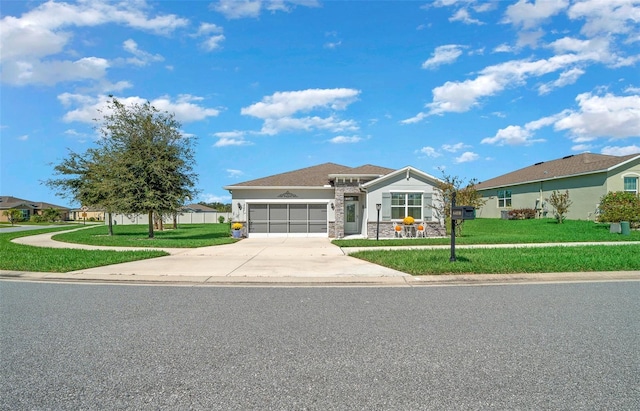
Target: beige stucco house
pixel 29 208
pixel 586 176
pixel 336 201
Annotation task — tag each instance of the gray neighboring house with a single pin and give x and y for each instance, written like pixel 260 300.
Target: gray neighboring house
pixel 335 201
pixel 586 176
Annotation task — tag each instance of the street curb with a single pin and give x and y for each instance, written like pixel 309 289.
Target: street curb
pixel 342 281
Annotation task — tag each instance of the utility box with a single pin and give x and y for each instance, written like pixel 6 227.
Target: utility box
pixel 463 213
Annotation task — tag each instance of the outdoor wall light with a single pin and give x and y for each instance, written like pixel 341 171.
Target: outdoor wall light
pixel 333 206
pixel 239 206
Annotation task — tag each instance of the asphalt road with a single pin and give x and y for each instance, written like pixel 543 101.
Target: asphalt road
pixel 546 346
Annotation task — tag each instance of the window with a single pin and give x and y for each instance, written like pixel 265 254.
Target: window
pixel 25 214
pixel 631 184
pixel 504 198
pixel 406 204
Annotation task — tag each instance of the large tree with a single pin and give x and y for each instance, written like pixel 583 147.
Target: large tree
pixel 143 164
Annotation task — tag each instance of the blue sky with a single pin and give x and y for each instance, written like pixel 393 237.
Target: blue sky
pixel 477 88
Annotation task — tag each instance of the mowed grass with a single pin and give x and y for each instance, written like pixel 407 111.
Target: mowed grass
pixel 185 236
pixel 508 260
pixel 497 231
pixel 18 257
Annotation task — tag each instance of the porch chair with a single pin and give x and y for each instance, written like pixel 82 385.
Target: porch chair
pixel 398 231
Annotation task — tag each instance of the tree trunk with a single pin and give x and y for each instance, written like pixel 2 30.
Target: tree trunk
pixel 110 223
pixel 150 224
pixel 175 221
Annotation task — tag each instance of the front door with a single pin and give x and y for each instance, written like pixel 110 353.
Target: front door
pixel 351 215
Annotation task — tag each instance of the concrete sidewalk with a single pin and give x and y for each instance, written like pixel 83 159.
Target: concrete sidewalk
pixel 283 261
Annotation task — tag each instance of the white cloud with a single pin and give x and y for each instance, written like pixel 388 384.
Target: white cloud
pixel 184 107
pixel 528 15
pixel 24 137
pixel 345 139
pixel 582 147
pixel 140 57
pixel 213 36
pixel 234 173
pixel 463 16
pixel 238 9
pixel 214 198
pixel 278 110
pixel 462 96
pixel 607 17
pixel 566 78
pixel 44 32
pixel 452 148
pixel 230 141
pixel 429 152
pixel 607 116
pixel 466 157
pixel 503 48
pixel 621 151
pixel 446 54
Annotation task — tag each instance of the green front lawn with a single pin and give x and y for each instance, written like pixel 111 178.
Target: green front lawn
pixel 18 257
pixel 496 231
pixel 185 236
pixel 511 260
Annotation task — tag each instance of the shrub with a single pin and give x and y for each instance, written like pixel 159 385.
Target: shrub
pixel 36 218
pixel 221 219
pixel 522 214
pixel 560 203
pixel 619 206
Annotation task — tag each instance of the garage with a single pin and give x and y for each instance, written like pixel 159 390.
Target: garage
pixel 288 219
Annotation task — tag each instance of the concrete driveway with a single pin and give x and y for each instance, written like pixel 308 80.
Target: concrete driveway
pixel 266 257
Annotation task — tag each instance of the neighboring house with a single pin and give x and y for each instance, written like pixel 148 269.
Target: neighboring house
pixel 586 176
pixel 97 214
pixel 189 214
pixel 29 208
pixel 332 200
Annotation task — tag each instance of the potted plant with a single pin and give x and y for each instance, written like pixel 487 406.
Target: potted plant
pixel 236 229
pixel 408 220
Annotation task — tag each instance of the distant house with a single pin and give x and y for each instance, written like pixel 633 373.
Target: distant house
pixel 332 200
pixel 94 213
pixel 29 208
pixel 586 176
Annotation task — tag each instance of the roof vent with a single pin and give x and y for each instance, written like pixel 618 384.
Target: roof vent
pixel 565 157
pixel 537 164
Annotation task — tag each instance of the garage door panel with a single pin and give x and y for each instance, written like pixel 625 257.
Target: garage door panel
pixel 279 219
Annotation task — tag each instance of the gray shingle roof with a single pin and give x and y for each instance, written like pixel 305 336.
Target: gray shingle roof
pixel 585 163
pixel 315 176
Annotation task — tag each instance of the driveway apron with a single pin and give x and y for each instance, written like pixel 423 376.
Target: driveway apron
pixel 254 257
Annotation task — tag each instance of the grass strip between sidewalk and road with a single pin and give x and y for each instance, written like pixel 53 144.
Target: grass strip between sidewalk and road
pixel 508 260
pixel 19 257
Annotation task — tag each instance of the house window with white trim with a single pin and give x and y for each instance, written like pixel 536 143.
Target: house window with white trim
pixel 504 198
pixel 631 184
pixel 406 204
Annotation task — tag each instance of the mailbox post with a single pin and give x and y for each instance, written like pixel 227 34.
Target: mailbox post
pixel 458 213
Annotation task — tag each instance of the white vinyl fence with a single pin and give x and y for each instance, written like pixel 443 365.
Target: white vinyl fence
pixel 184 218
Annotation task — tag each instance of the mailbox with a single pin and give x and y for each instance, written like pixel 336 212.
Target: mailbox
pixel 463 213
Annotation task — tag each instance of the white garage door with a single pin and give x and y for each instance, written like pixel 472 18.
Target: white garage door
pixel 296 219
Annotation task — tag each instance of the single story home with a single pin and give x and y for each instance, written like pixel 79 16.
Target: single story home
pixel 29 208
pixel 586 176
pixel 87 213
pixel 336 201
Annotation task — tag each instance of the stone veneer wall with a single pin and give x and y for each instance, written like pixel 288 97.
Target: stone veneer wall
pixel 432 229
pixel 342 188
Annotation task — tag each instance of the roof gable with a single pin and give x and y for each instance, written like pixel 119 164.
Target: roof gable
pixel 586 163
pixel 406 170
